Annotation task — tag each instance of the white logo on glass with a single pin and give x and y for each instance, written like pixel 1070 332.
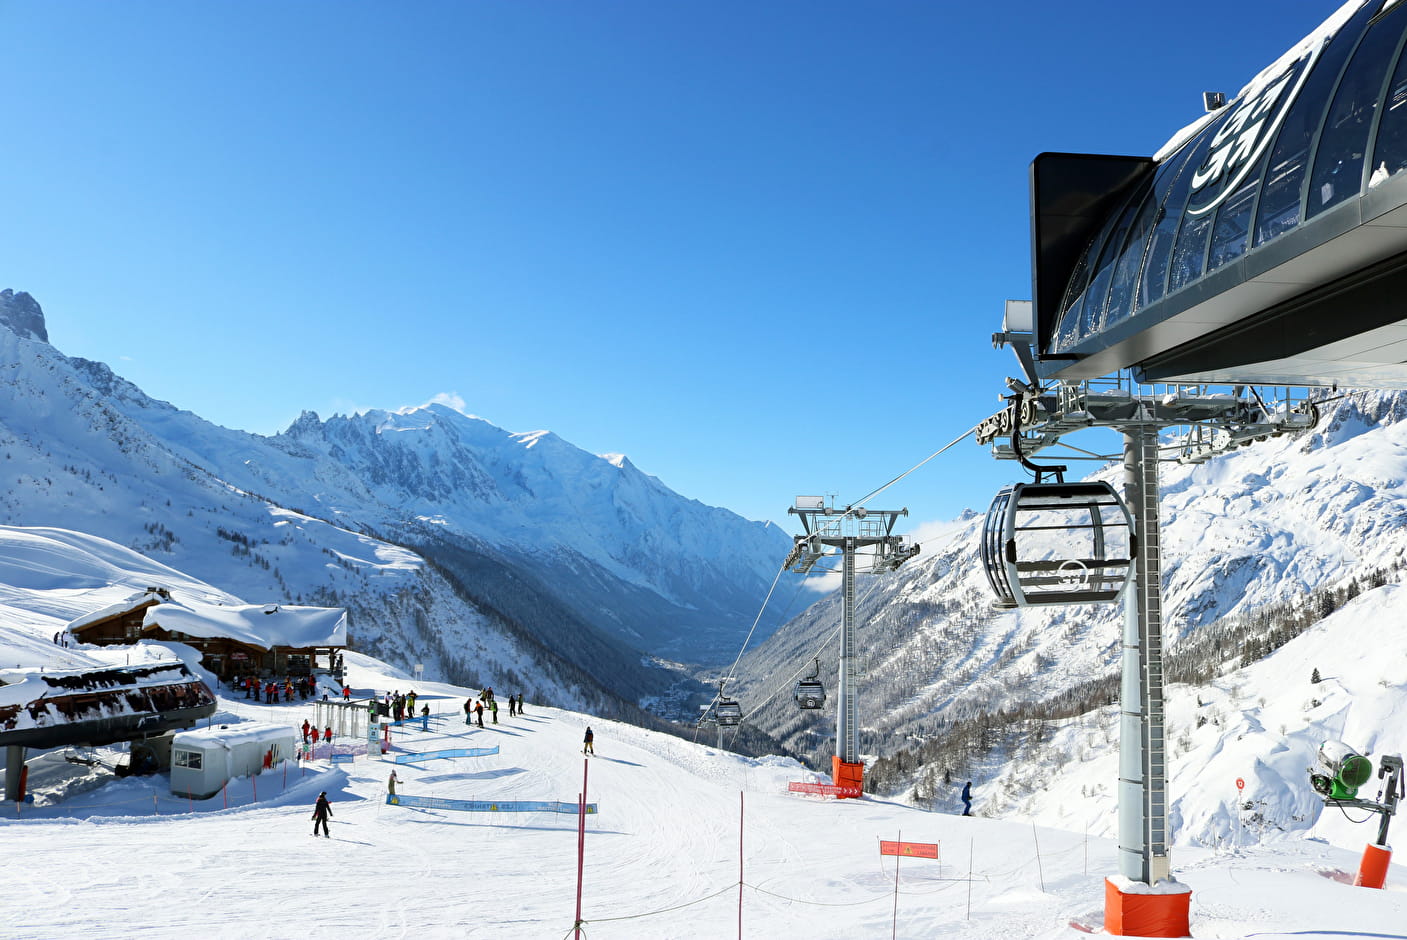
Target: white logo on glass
pixel 1245 134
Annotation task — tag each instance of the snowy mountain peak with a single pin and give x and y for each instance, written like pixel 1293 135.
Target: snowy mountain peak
pixel 21 314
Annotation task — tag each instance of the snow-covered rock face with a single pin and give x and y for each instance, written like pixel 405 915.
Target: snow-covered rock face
pixel 342 512
pixel 1262 525
pixel 21 314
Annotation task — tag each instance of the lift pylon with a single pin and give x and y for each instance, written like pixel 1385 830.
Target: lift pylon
pixel 850 530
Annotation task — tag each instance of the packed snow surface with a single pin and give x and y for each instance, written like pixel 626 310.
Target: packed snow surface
pixel 679 825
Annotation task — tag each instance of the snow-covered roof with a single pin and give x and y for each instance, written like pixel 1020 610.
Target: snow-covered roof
pixel 231 735
pixel 262 625
pixel 152 595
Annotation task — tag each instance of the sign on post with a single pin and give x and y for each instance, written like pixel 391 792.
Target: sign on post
pixel 909 849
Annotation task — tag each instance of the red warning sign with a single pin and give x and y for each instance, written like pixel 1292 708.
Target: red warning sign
pixel 909 849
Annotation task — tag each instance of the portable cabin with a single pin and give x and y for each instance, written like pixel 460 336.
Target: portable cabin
pixel 203 761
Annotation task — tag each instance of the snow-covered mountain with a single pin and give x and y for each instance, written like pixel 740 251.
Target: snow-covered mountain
pixel 1294 525
pixel 453 543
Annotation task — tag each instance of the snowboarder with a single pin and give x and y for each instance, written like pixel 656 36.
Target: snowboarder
pixel 587 743
pixel 967 798
pixel 321 810
pixel 391 782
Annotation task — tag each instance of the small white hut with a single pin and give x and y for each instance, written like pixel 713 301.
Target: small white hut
pixel 203 761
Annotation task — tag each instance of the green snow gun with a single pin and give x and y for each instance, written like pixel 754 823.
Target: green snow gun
pixel 1342 770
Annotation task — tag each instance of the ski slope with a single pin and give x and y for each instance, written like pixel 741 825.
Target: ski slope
pixel 97 856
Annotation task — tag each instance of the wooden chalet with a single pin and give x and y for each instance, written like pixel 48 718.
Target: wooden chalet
pixel 267 639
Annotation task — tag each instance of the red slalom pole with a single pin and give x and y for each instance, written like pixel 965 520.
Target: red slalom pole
pixel 581 844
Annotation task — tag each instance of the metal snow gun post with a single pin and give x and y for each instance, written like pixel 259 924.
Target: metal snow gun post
pixel 1339 773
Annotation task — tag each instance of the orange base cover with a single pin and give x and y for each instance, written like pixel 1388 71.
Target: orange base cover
pixel 1372 869
pixel 850 776
pixel 1129 914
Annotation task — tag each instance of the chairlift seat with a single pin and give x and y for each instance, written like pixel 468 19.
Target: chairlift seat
pixel 1058 543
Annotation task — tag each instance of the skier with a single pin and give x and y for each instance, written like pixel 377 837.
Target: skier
pixel 520 704
pixel 306 727
pixel 391 782
pixel 512 706
pixel 588 746
pixel 321 810
pixel 493 707
pixel 967 798
pixel 479 713
pixel 468 711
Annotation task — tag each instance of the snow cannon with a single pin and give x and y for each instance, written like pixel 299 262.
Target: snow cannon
pixel 1341 771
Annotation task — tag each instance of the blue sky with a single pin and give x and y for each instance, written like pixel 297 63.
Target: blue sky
pixel 759 247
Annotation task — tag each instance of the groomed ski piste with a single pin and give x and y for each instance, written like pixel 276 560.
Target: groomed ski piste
pixel 689 842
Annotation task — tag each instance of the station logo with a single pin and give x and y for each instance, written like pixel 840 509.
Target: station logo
pixel 1251 125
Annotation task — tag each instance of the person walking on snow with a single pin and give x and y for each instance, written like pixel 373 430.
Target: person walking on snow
pixel 321 810
pixel 587 743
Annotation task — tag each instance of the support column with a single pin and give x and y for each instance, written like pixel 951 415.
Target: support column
pixel 846 768
pixel 1143 812
pixel 846 740
pixel 14 770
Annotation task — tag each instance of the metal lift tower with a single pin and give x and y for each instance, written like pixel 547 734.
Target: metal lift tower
pixel 850 530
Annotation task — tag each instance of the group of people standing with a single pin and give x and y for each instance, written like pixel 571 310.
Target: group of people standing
pixel 474 710
pixel 310 734
pixel 396 705
pixel 272 691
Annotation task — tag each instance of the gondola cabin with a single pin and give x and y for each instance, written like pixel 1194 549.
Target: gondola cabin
pixel 1057 543
pixel 809 693
pixel 728 712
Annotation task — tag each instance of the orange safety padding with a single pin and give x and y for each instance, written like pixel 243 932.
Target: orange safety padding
pixel 848 775
pixel 1146 915
pixel 1372 869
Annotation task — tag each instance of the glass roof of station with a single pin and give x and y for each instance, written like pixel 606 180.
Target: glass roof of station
pixel 1323 128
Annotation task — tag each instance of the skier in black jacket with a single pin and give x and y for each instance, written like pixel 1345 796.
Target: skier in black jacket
pixel 321 810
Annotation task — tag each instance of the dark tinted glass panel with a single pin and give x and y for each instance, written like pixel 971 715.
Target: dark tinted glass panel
pixel 1092 320
pixel 1390 154
pixel 1338 160
pixel 1130 260
pixel 1232 219
pixel 1190 252
pixel 1154 282
pixel 1279 207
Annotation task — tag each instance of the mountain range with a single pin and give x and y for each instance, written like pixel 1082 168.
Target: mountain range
pixel 472 551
